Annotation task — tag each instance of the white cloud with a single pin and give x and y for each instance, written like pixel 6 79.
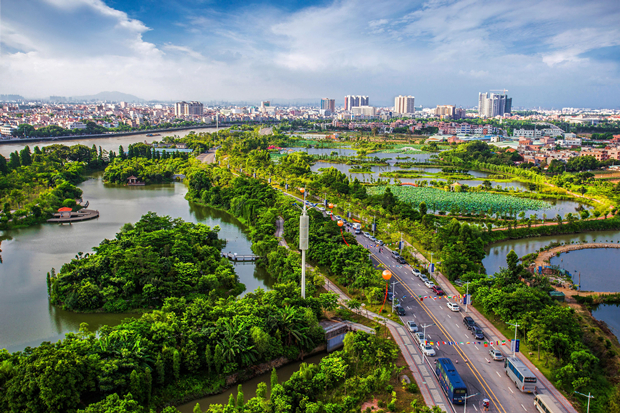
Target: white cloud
pixel 440 51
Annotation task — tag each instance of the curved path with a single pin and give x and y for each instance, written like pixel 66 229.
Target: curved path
pixel 545 256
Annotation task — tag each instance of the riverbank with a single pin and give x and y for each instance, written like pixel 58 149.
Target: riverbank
pixel 102 135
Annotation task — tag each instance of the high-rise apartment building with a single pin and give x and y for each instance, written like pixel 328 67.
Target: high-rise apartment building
pixel 449 112
pixel 328 104
pixel 494 104
pixel 404 104
pixel 188 109
pixel 351 101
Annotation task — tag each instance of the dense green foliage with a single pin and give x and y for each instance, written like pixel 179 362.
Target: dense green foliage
pixel 338 384
pixel 149 261
pixel 186 348
pixel 478 151
pixel 577 362
pixel 33 185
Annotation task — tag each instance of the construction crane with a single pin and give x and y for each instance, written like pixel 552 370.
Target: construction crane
pixel 499 90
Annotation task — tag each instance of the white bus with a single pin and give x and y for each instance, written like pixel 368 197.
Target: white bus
pixel 545 404
pixel 523 378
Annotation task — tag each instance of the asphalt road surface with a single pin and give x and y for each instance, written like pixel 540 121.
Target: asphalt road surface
pixel 482 375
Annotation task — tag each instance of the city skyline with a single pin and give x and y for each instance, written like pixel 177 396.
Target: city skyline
pixel 546 55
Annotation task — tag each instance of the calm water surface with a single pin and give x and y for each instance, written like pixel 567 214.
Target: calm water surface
pixel 599 267
pixel 610 314
pixel 27 319
pixel 108 144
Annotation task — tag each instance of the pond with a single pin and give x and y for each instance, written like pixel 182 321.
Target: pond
pixel 599 267
pixel 27 319
pixel 610 314
pixel 250 386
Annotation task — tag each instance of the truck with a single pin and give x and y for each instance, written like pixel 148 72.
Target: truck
pixel 357 227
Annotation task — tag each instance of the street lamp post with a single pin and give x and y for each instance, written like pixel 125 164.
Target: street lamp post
pixel 466 295
pixel 514 349
pixel 424 327
pixel 589 396
pixel 304 223
pixel 465 399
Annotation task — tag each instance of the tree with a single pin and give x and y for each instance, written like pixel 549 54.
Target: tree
pixel 14 160
pixel 274 378
pixel 422 208
pixel 240 399
pixel 197 408
pixel 25 156
pixel 4 167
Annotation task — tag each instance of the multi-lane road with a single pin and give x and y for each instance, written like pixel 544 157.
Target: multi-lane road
pixel 482 375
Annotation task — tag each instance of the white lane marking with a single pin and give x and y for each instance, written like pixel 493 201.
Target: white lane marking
pixel 498 374
pixel 414 316
pixel 429 336
pixel 524 408
pixel 457 325
pixel 466 336
pixel 487 360
pixel 449 316
pixel 476 347
pixel 475 408
pixel 511 390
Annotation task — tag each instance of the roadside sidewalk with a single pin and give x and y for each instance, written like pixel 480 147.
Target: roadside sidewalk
pixel 424 377
pixel 544 384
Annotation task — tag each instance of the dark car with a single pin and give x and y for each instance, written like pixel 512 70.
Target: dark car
pixel 469 322
pixel 401 260
pixel 400 310
pixel 438 290
pixel 477 333
pixel 389 296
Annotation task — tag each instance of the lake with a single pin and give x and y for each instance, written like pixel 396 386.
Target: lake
pixel 598 267
pixel 28 254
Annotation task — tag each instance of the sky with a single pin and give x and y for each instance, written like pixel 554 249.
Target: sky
pixel 546 53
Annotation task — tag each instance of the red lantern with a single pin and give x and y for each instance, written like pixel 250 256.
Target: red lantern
pixel 330 206
pixel 302 190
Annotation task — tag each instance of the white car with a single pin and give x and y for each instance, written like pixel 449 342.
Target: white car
pixel 329 213
pixel 321 209
pixel 419 337
pixel 429 284
pixel 453 306
pixel 427 349
pixel 413 327
pixel 496 354
pixel 416 272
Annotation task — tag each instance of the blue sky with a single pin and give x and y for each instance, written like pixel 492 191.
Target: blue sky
pixel 548 53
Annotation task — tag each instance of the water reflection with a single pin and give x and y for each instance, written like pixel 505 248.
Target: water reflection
pixel 27 319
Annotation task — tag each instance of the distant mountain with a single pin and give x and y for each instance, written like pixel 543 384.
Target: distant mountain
pixel 99 97
pixel 110 97
pixel 11 98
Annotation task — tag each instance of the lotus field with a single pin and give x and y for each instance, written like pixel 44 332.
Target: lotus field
pixel 471 202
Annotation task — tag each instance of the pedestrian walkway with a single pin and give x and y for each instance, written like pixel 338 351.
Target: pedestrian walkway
pixel 422 373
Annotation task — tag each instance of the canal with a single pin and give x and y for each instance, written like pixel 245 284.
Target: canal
pixel 28 254
pixel 250 386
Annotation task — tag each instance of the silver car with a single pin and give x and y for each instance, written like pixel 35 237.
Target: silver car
pixel 413 327
pixel 429 284
pixel 496 354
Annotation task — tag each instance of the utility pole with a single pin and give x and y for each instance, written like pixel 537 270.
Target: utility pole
pixel 304 224
pixel 589 396
pixel 424 327
pixel 514 349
